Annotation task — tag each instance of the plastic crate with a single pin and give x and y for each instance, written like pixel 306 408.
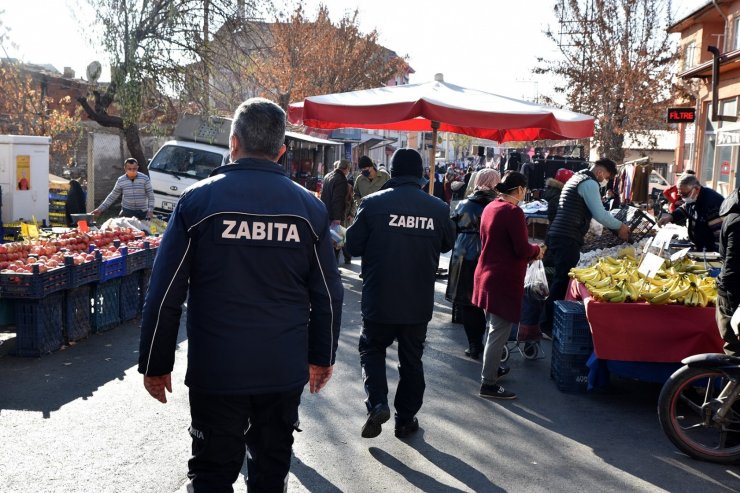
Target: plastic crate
pixel 38 325
pixel 571 329
pixel 105 305
pixel 77 313
pixel 34 285
pixel 130 299
pixel 82 274
pixel 569 371
pixel 144 277
pixel 112 268
pixel 138 259
pixel 639 223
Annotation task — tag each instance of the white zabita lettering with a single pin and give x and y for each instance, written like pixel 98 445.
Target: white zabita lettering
pixel 413 222
pixel 258 230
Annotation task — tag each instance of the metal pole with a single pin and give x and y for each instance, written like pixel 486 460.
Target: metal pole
pixel 432 158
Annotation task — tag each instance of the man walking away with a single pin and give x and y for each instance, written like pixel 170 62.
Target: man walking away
pixel 399 232
pixel 251 251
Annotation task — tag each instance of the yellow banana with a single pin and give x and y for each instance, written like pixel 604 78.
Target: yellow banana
pixel 661 298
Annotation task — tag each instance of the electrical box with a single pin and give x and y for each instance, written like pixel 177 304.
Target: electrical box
pixel 24 177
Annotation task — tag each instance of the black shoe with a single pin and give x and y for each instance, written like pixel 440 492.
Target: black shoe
pixel 405 429
pixel 473 353
pixel 503 371
pixel 375 418
pixel 347 261
pixel 496 392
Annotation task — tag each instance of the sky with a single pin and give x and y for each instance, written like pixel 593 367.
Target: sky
pixel 490 45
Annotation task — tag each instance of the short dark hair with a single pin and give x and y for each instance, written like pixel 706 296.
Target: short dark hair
pixel 365 162
pixel 259 125
pixel 131 161
pixel 608 165
pixel 510 181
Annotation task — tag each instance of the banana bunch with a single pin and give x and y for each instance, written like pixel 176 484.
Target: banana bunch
pixel 616 280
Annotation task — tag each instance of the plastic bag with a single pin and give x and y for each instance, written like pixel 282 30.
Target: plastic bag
pixel 595 228
pixel 535 282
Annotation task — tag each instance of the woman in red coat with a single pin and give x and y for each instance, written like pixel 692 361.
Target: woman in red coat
pixel 498 285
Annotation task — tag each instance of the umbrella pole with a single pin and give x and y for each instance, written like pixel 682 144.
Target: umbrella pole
pixel 432 158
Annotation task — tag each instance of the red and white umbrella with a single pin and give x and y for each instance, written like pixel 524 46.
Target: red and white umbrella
pixel 438 105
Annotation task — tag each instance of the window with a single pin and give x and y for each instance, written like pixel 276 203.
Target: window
pixel 689 58
pixel 186 161
pixel 736 34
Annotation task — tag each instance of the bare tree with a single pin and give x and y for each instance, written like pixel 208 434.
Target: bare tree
pixel 617 65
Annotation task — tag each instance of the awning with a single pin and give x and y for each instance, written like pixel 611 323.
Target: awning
pixel 310 138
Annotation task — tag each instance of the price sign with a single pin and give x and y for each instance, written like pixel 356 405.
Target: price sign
pixel 680 254
pixel 663 237
pixel 650 265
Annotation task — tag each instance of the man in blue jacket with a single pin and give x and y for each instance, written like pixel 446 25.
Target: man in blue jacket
pixel 399 232
pixel 252 252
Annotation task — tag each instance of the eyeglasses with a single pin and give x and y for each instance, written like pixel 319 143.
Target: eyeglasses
pixel 685 194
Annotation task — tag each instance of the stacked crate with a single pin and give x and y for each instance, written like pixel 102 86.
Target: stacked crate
pixel 57 204
pixel 572 345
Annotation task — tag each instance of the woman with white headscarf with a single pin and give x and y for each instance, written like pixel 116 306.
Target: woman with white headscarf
pixel 465 255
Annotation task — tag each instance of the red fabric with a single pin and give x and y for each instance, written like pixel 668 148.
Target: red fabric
pixel 498 284
pixel 412 107
pixel 645 332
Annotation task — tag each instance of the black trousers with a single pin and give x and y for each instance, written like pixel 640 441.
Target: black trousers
pixel 564 255
pixel 223 424
pixel 474 321
pixel 726 306
pixel 374 340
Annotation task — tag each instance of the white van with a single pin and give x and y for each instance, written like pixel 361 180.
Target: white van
pixel 200 145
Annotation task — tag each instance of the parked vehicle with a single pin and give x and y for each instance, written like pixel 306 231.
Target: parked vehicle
pixel 699 408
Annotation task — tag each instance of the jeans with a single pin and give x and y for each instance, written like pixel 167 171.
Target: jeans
pixel 374 340
pixel 498 333
pixel 223 424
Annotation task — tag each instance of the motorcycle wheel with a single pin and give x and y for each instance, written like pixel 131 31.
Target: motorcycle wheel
pixel 686 406
pixel 505 354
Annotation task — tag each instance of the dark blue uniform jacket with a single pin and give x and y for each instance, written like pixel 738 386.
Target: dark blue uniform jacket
pixel 399 232
pixel 265 297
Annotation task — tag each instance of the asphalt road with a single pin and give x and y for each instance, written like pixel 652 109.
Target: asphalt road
pixel 79 420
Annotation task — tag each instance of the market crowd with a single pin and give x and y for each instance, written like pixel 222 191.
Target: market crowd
pixel 278 291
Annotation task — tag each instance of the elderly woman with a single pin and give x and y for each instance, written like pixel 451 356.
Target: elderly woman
pixel 498 284
pixel 465 254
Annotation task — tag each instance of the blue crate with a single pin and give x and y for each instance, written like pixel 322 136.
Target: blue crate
pixel 130 304
pixel 38 325
pixel 105 305
pixel 82 274
pixel 77 313
pixel 570 325
pixel 138 260
pixel 35 285
pixel 573 348
pixel 112 268
pixel 569 371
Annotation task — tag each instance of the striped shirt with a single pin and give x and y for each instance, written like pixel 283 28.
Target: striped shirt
pixel 138 194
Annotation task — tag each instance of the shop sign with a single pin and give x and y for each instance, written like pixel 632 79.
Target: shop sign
pixel 728 138
pixel 681 115
pixel 725 168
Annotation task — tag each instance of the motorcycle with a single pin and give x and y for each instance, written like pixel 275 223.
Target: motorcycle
pixel 699 408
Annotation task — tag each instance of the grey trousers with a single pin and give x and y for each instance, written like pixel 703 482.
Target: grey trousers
pixel 498 333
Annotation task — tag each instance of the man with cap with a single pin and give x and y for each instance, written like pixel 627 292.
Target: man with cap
pixel 580 201
pixel 400 233
pixel 371 179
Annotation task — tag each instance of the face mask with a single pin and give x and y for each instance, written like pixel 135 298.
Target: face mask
pixel 689 199
pixel 604 182
pixel 131 174
pixel 365 172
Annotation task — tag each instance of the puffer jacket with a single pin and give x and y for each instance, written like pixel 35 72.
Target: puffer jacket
pixel 465 254
pixel 552 195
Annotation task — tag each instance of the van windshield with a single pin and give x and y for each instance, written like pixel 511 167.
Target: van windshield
pixel 186 161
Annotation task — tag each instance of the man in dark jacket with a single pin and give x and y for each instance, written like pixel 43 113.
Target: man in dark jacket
pixel 251 250
pixel 580 201
pixel 728 283
pixel 334 191
pixel 399 232
pixel 701 209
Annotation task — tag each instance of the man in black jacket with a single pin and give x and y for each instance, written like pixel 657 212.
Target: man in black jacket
pixel 399 232
pixel 728 283
pixel 251 250
pixel 334 191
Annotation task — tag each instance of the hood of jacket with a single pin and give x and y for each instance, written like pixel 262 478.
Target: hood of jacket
pixel 730 204
pixel 552 182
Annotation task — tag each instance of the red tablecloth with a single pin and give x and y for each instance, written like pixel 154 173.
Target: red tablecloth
pixel 645 332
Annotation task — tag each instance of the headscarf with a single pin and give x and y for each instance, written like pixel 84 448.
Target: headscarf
pixel 487 179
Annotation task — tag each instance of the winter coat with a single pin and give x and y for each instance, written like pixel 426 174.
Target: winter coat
pixel 251 251
pixel 703 218
pixel 729 248
pixel 399 232
pixel 75 203
pixel 334 195
pixel 552 196
pixel 465 255
pixel 498 285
